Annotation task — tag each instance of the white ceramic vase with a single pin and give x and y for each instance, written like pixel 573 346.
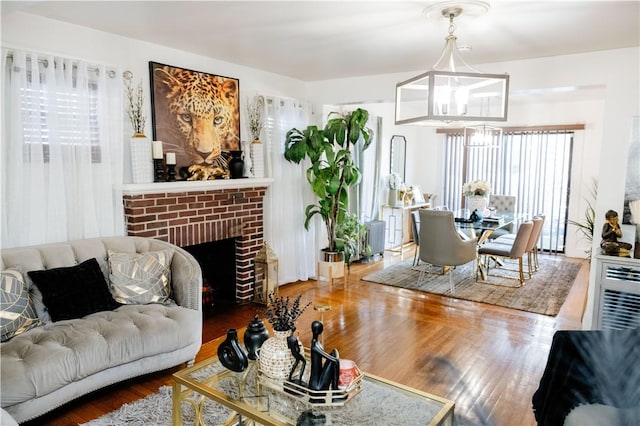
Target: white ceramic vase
pixel 477 202
pixel 141 159
pixel 393 198
pixel 257 159
pixel 248 163
pixel 276 358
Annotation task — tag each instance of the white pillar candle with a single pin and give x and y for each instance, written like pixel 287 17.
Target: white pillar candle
pixel 157 150
pixel 171 158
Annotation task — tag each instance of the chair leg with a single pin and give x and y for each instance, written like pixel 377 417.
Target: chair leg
pixel 420 278
pixel 415 257
pixel 521 270
pixel 451 279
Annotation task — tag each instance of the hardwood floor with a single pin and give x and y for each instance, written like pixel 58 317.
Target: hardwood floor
pixel 488 359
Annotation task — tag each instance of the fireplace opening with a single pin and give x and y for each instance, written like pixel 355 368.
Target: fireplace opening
pixel 217 260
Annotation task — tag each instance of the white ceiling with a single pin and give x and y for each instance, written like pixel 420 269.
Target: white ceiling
pixel 333 39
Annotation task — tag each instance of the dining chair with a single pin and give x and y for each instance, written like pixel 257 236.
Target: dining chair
pixel 502 203
pixel 532 244
pixel 415 232
pixel 516 250
pixel 440 244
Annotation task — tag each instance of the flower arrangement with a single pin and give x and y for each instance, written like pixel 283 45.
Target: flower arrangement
pixel 135 111
pixel 394 181
pixel 477 187
pixel 254 112
pixel 282 315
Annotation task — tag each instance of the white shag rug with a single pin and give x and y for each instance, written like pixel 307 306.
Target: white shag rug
pixel 375 405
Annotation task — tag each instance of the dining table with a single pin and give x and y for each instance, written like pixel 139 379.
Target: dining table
pixel 483 228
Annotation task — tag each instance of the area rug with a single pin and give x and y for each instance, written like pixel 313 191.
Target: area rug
pixel 156 409
pixel 543 294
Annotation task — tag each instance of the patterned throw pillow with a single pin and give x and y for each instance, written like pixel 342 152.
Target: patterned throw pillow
pixel 17 313
pixel 75 291
pixel 140 278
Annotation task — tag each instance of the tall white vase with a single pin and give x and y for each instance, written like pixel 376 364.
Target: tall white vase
pixel 248 163
pixel 477 202
pixel 257 159
pixel 141 159
pixel 392 201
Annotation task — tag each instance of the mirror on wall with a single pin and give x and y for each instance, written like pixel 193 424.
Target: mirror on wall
pixel 398 155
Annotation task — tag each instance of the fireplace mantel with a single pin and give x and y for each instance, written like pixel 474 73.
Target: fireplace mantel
pixel 190 186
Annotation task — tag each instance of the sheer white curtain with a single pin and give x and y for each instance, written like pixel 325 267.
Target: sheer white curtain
pixel 288 196
pixel 61 154
pixel 365 200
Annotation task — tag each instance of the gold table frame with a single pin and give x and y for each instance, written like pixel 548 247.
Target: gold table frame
pixel 188 389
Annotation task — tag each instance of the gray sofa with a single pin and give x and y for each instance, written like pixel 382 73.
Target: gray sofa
pixel 56 362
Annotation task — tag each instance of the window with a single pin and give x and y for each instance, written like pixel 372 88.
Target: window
pixel 533 165
pixel 62 149
pixel 75 111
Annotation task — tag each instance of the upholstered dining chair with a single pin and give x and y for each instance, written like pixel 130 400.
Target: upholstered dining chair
pixel 415 233
pixel 502 203
pixel 532 244
pixel 440 244
pixel 516 250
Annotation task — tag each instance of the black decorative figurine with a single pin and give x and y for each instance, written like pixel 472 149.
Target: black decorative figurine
pixel 231 354
pixel 254 337
pixel 325 368
pixel 476 216
pixel 294 345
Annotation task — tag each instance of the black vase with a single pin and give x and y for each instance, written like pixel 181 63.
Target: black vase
pixel 231 354
pixel 236 165
pixel 254 337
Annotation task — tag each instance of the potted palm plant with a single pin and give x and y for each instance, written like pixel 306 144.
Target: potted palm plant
pixel 332 170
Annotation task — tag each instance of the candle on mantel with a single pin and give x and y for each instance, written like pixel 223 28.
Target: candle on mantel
pixel 157 150
pixel 171 158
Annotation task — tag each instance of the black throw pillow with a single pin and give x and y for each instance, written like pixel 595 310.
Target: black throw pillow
pixel 74 291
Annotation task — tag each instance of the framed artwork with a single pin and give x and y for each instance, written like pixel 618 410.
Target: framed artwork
pixel 195 114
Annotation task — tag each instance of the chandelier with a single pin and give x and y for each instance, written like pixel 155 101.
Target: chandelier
pixel 452 91
pixel 482 136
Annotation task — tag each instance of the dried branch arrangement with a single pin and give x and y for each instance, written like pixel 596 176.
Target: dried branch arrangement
pixel 281 314
pixel 135 106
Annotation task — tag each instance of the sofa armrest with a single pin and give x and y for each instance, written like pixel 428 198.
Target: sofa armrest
pixel 186 280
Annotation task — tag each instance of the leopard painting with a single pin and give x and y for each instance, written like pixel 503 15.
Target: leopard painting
pixel 204 111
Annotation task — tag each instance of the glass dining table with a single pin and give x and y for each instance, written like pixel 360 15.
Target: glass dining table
pixel 484 228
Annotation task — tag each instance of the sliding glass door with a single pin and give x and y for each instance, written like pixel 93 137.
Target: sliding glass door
pixel 532 165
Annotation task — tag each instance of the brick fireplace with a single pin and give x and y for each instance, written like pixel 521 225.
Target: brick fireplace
pixel 190 213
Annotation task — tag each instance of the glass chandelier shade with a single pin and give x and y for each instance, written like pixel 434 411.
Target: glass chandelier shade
pixel 452 91
pixel 482 136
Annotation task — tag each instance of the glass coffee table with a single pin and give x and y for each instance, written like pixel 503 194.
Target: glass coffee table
pixel 250 399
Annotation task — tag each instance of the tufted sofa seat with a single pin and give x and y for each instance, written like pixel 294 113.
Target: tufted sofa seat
pixel 57 362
